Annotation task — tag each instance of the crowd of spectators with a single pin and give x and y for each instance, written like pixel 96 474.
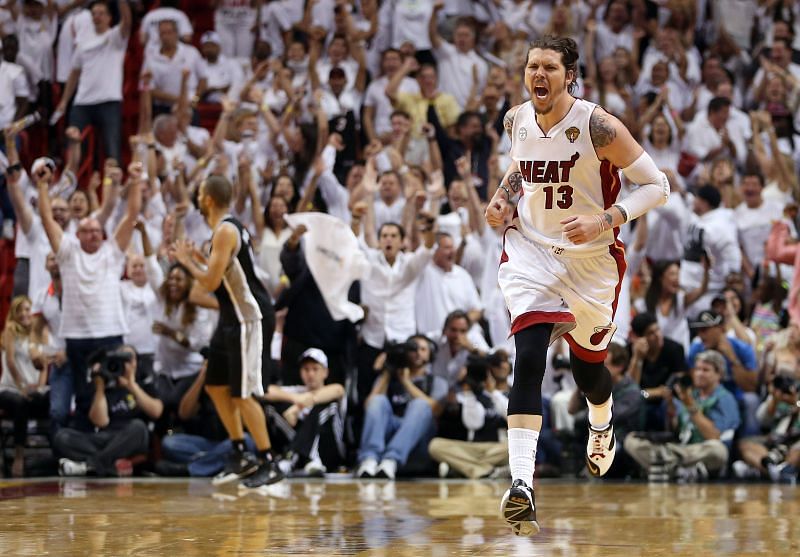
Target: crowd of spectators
pixel 387 115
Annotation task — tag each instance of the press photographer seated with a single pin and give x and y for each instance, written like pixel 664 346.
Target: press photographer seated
pixel 703 414
pixel 401 409
pixel 119 411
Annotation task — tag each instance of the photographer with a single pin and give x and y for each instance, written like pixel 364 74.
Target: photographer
pixel 476 445
pixel 776 455
pixel 118 412
pixel 400 410
pixel 704 418
pixel 459 340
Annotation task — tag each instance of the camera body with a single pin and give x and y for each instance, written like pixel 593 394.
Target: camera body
pixel 398 356
pixel 477 372
pixel 682 381
pixel 783 383
pixel 111 365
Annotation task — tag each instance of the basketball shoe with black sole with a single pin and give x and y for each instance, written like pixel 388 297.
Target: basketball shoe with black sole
pixel 518 509
pixel 238 466
pixel 268 473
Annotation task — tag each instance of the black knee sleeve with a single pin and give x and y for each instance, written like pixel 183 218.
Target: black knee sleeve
pixel 593 379
pixel 526 392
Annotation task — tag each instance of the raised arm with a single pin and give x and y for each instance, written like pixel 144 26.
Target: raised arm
pixel 22 208
pixel 433 33
pixel 51 227
pixel 125 19
pixel 125 228
pixel 392 88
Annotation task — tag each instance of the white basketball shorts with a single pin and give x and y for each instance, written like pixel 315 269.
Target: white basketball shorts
pixel 576 292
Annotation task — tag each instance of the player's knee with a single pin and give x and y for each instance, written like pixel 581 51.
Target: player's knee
pixel 590 377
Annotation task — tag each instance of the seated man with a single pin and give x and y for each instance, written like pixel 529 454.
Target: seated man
pixel 308 418
pixel 401 409
pixel 119 408
pixel 476 445
pixel 704 418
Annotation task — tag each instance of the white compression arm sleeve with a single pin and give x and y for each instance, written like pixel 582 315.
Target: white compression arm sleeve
pixel 653 187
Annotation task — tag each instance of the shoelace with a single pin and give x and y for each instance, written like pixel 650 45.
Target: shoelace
pixel 597 444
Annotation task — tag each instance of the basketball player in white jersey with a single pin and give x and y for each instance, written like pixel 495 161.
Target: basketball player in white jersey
pixel 562 265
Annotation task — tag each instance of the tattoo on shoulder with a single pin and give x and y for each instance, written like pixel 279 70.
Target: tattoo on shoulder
pixel 508 122
pixel 515 182
pixel 601 129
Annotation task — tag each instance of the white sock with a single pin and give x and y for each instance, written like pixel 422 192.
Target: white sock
pixel 522 453
pixel 600 416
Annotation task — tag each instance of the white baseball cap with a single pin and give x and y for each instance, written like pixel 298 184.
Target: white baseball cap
pixel 316 355
pixel 210 37
pixel 43 161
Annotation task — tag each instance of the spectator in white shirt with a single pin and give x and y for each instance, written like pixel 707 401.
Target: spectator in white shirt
pixel 14 88
pixel 443 288
pixel 614 31
pixel 754 218
pixel 76 25
pixel 97 76
pixel 166 65
pixel 388 293
pixel 140 306
pixel 93 317
pixel 167 10
pixel 711 234
pixel 459 339
pixel 458 62
pixel 37 27
pixel 224 76
pixel 377 105
pixel 709 135
pixel 234 21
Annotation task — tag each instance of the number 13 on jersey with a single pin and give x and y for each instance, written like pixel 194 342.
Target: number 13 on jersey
pixel 562 195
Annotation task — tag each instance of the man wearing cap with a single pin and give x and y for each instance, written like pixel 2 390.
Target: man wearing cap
pixel 309 417
pixel 224 75
pixel 711 234
pixel 167 64
pixel 740 376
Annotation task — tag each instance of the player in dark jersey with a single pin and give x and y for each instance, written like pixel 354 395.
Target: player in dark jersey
pixel 236 361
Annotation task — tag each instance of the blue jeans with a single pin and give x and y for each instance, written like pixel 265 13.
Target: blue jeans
pixel 106 118
pixel 203 456
pixel 403 434
pixel 61 391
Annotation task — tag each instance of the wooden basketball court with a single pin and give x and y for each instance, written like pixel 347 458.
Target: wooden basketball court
pixel 188 518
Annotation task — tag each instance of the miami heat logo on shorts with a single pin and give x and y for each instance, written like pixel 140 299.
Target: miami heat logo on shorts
pixel 599 334
pixel 572 133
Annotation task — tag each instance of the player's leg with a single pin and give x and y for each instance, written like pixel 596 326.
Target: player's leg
pixel 594 381
pixel 240 462
pixel 524 423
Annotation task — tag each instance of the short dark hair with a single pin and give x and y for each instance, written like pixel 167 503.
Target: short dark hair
pixel 718 103
pixel 219 189
pixel 399 228
pixel 641 322
pixel 399 112
pixel 754 172
pixel 465 117
pixel 619 355
pixel 786 42
pixel 568 49
pixel 453 315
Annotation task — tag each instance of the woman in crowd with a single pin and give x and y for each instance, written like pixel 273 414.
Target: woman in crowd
pixel 274 235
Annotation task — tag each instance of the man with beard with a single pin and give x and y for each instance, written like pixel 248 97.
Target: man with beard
pixel 562 265
pixel 244 330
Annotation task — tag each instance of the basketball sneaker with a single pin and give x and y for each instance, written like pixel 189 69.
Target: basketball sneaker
pixel 267 473
pixel 519 510
pixel 600 450
pixel 239 465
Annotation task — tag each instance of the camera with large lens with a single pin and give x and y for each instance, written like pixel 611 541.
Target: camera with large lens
pixel 681 380
pixel 109 364
pixel 783 383
pixel 477 370
pixel 398 356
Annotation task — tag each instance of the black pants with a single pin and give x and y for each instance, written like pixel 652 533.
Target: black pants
pixel 101 449
pixel 21 409
pixel 321 433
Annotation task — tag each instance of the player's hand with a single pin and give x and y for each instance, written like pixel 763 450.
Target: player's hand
pixel 181 251
pixel 497 210
pixel 580 229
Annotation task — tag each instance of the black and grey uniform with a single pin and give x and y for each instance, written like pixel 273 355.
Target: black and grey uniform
pixel 239 350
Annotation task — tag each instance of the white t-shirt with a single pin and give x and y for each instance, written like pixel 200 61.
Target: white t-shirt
pixel 100 59
pixel 36 39
pixel 269 254
pixel 47 304
pixel 455 71
pixel 91 302
pixel 376 98
pixel 167 71
pixel 22 358
pixel 389 213
pixel 76 26
pixel 440 292
pixel 141 309
pixel 224 73
pixel 13 84
pixel 151 20
pixel 409 23
pixel 754 226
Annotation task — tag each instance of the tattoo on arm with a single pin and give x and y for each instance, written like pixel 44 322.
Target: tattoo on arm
pixel 609 220
pixel 622 210
pixel 601 129
pixel 515 182
pixel 508 121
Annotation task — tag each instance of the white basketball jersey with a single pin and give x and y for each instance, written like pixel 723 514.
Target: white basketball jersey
pixel 562 176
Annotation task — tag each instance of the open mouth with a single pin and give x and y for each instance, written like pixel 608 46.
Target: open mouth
pixel 540 92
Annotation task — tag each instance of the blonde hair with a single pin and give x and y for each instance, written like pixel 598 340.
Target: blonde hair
pixel 14 327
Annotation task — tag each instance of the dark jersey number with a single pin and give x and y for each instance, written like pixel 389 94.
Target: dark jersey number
pixel 564 200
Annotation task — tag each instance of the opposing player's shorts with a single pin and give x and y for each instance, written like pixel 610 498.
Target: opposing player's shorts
pixel 576 292
pixel 236 358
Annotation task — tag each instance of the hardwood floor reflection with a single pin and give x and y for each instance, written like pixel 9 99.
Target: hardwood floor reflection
pixel 430 518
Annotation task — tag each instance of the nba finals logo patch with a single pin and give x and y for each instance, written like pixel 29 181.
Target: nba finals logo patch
pixel 599 334
pixel 523 134
pixel 572 133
